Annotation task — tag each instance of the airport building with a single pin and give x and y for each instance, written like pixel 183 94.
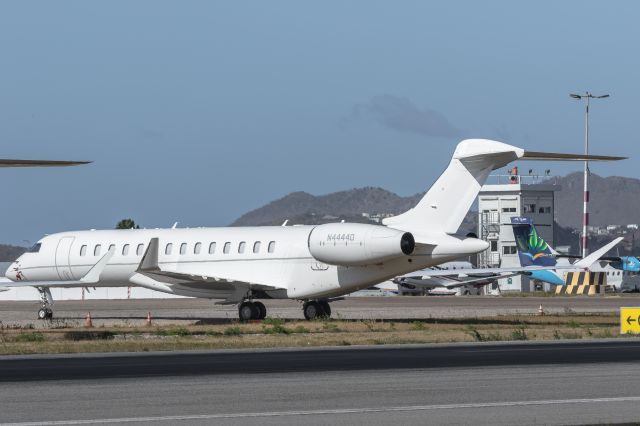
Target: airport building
pixel 497 204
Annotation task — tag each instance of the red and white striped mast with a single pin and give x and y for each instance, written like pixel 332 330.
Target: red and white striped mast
pixel 585 210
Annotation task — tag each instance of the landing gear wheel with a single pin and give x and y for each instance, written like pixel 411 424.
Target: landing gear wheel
pixel 326 309
pixel 262 310
pixel 248 311
pixel 312 310
pixel 44 313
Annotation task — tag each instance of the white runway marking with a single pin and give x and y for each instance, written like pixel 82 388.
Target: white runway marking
pixel 320 412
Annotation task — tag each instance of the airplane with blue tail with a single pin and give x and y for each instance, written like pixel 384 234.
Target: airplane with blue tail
pixel 533 251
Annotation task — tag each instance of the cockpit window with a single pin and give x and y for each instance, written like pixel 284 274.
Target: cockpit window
pixel 35 248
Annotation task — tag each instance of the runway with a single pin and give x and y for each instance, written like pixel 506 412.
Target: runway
pixel 110 312
pixel 543 383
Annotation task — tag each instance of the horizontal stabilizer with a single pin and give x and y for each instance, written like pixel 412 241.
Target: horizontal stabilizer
pixel 593 257
pixel 551 156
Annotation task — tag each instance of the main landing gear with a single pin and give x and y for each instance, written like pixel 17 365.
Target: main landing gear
pixel 252 311
pixel 45 312
pixel 316 309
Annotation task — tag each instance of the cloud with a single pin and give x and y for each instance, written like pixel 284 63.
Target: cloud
pixel 399 113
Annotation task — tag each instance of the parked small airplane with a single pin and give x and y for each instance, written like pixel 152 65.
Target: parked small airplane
pixel 451 278
pixel 314 264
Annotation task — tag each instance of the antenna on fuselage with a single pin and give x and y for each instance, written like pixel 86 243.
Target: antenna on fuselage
pixel 175 225
pixel 285 222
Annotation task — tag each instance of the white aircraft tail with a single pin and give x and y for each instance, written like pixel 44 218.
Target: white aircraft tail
pixel 445 205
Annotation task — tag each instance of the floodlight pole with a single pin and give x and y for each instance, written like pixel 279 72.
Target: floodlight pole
pixel 585 210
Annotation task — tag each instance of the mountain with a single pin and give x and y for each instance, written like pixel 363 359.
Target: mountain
pixel 302 207
pixel 613 200
pixel 10 253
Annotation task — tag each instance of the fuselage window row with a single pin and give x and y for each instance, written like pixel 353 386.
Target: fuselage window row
pixel 197 248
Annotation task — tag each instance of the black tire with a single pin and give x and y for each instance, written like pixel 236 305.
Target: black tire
pixel 326 309
pixel 262 310
pixel 42 314
pixel 312 310
pixel 247 311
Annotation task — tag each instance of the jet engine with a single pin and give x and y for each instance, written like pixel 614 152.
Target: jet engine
pixel 357 244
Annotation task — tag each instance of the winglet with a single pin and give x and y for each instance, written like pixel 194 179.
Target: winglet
pixel 93 276
pixel 593 257
pixel 149 261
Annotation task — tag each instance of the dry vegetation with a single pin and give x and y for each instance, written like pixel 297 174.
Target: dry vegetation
pixel 68 338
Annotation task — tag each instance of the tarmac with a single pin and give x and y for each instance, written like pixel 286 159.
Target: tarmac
pixel 499 384
pixel 117 312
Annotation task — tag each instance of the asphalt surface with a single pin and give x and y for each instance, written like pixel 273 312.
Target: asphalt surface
pixel 530 383
pixel 115 312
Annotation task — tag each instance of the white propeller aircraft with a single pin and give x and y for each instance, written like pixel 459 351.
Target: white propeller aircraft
pixel 314 264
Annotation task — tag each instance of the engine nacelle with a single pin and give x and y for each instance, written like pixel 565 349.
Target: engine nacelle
pixel 358 244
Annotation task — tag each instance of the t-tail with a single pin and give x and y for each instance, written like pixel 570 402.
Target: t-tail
pixel 532 249
pixel 446 203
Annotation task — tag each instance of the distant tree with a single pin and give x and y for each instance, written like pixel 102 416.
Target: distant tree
pixel 127 224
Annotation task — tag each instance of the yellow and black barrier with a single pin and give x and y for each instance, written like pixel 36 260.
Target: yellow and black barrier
pixel 588 283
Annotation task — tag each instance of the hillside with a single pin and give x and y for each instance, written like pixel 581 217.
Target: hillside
pixel 301 207
pixel 10 253
pixel 614 200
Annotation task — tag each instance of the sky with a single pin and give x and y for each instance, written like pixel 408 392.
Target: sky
pixel 199 111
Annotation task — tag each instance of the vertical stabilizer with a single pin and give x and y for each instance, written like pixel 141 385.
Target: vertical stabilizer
pixel 445 205
pixel 532 249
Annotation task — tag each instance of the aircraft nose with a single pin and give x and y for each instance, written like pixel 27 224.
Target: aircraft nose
pixel 12 272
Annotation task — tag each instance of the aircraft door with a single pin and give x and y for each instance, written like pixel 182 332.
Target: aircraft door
pixel 63 252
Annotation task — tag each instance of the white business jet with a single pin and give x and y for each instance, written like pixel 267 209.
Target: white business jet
pixel 314 264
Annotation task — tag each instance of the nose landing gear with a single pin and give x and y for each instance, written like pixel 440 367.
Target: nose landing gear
pixel 46 311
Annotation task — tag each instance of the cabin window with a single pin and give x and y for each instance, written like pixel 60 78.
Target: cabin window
pixel 196 248
pixel 140 249
pixel 256 247
pixel 212 248
pixel 83 250
pixel 227 248
pixel 97 249
pixel 241 247
pixel 272 246
pixel 112 247
pixel 35 248
pixel 183 248
pixel 125 249
pixel 168 248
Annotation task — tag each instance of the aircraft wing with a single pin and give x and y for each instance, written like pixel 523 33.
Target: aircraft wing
pixel 451 281
pixel 91 277
pixel 150 275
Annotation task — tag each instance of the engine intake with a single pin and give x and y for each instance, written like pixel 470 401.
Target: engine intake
pixel 356 244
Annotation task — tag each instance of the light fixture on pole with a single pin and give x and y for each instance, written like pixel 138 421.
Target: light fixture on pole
pixel 585 211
